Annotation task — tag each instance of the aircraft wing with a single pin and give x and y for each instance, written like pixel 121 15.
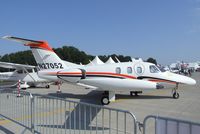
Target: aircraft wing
pixel 119 84
pixel 22 40
pixel 15 66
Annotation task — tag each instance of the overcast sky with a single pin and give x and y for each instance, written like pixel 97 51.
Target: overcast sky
pixel 167 30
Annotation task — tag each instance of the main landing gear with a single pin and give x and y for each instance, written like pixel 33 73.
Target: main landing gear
pixel 132 93
pixel 59 87
pixel 108 97
pixel 175 94
pixel 47 86
pixel 105 100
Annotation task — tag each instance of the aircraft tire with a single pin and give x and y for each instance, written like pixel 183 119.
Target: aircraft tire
pixel 175 95
pixel 105 100
pixel 47 86
pixel 23 88
pixel 135 93
pixel 131 93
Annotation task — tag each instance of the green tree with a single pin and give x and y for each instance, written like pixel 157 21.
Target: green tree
pixel 68 53
pixel 152 60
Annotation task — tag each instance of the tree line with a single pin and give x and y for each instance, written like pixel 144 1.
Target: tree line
pixel 68 53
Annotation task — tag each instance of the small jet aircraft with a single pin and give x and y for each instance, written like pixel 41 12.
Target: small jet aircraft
pixel 121 76
pixel 148 71
pixel 25 73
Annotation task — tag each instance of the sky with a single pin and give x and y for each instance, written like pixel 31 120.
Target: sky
pixel 167 30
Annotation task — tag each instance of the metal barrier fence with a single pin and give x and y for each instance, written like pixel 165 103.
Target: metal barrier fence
pixel 15 108
pixel 164 125
pixel 50 115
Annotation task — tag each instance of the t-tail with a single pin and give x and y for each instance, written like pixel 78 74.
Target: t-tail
pixel 44 55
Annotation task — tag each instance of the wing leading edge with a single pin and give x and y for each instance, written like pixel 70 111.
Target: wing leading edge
pixel 15 66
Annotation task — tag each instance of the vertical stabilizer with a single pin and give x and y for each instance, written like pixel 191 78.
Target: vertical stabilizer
pixel 44 55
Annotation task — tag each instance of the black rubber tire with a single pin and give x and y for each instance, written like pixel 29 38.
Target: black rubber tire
pixel 47 86
pixel 134 93
pixel 105 100
pixel 175 95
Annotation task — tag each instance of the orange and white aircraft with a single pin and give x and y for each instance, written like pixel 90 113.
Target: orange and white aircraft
pixel 124 76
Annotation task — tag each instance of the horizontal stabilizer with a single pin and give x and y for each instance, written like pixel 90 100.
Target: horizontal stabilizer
pixel 30 43
pixel 22 40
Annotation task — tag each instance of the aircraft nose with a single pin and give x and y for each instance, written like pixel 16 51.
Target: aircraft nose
pixel 188 80
pixel 181 79
pixel 191 81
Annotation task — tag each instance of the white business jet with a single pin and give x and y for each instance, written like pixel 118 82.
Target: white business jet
pixel 122 76
pixel 150 72
pixel 109 77
pixel 27 75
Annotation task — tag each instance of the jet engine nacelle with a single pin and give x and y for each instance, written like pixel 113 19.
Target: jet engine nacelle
pixel 71 75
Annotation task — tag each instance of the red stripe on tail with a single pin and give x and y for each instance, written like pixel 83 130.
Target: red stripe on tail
pixel 43 45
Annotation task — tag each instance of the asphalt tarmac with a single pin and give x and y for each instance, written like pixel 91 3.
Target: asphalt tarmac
pixel 154 102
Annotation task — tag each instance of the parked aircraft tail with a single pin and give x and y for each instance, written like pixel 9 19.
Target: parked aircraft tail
pixel 44 55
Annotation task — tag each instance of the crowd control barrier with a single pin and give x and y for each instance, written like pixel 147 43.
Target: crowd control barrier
pixel 165 125
pixel 42 114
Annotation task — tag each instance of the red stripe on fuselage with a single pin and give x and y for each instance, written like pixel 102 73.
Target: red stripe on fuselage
pixel 94 73
pixel 108 73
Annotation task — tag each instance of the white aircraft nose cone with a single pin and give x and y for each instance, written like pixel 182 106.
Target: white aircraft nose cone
pixel 180 78
pixel 191 81
pixel 186 80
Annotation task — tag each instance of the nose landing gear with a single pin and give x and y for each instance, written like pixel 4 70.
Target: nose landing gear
pixel 175 94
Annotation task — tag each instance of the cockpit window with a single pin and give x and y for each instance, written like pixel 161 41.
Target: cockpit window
pixel 153 69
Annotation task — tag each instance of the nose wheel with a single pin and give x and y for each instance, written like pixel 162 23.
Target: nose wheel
pixel 175 94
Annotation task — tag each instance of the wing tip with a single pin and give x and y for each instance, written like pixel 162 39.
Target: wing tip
pixel 6 37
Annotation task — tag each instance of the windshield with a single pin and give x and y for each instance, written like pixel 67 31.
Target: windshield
pixel 154 69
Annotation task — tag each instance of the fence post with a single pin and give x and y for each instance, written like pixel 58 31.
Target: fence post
pixel 32 114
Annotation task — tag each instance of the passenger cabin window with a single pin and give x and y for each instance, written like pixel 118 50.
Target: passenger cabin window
pixel 19 71
pixel 129 70
pixel 30 70
pixel 153 69
pixel 118 70
pixel 139 70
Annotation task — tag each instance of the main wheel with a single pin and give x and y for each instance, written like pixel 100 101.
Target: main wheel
pixel 105 100
pixel 175 95
pixel 47 86
pixel 135 93
pixel 24 88
pixel 131 93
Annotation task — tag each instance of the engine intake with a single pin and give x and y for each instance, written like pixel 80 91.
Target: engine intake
pixel 72 75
